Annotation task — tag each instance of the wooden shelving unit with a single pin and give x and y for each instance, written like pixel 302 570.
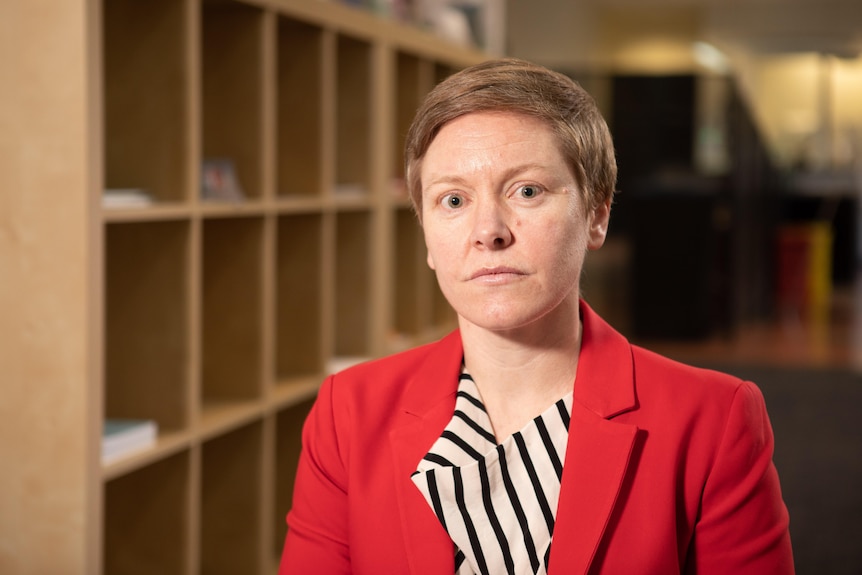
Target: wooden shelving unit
pixel 219 320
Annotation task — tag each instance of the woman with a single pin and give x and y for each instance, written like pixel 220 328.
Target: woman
pixel 535 438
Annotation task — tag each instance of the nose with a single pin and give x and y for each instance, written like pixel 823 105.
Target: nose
pixel 491 228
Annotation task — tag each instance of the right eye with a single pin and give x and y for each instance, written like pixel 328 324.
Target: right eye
pixel 453 201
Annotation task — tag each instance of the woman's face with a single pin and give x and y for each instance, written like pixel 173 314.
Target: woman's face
pixel 505 224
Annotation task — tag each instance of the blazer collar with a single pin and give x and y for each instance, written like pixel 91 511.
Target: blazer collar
pixel 428 404
pixel 605 380
pixel 597 453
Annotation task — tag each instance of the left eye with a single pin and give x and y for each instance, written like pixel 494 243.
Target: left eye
pixel 529 191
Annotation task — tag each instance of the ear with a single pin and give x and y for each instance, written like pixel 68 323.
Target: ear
pixel 430 259
pixel 599 219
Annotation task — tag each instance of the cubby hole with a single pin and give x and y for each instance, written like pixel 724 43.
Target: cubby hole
pixel 411 274
pixel 443 317
pixel 442 71
pixel 233 70
pixel 414 79
pixel 352 285
pixel 231 502
pixel 147 305
pixel 232 310
pixel 288 444
pixel 408 94
pixel 299 275
pixel 146 88
pixel 353 117
pixel 300 108
pixel 146 519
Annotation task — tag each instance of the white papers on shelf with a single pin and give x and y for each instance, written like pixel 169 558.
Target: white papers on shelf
pixel 348 190
pixel 123 437
pixel 342 362
pixel 125 198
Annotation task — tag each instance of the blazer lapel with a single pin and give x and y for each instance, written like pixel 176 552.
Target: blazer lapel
pixel 429 402
pixel 597 458
pixel 599 450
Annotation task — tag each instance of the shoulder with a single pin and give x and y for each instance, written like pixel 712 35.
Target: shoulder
pixel 654 369
pixel 695 398
pixel 400 378
pixel 395 369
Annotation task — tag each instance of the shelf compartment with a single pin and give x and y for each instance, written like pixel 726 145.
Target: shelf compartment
pixel 147 517
pixel 146 97
pixel 352 284
pixel 300 109
pixel 233 84
pixel 300 263
pixel 411 291
pixel 147 357
pixel 412 83
pixel 443 317
pixel 232 309
pixel 231 502
pixel 442 71
pixel 353 117
pixel 288 444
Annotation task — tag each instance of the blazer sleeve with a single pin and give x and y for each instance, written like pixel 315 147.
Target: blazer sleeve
pixel 743 527
pixel 316 540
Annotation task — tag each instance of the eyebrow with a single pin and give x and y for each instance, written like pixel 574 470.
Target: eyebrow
pixel 459 180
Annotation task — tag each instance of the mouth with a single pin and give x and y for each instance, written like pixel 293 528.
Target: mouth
pixel 496 274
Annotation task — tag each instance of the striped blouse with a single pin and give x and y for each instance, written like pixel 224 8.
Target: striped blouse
pixel 498 503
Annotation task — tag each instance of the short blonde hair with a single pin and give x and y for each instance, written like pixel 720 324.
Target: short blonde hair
pixel 512 85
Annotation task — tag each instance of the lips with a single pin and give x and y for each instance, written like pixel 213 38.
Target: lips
pixel 500 273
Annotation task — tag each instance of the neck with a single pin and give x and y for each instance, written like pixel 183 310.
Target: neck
pixel 521 372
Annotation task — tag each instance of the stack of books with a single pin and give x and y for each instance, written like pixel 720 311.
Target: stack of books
pixel 124 437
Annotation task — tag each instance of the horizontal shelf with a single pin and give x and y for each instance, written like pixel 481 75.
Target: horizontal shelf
pixel 159 211
pixel 291 391
pixel 364 24
pixel 299 205
pixel 218 417
pixel 167 444
pixel 214 209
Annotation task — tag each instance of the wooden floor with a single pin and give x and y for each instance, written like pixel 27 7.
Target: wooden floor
pixel 832 341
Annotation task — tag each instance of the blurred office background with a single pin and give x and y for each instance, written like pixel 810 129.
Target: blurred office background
pixel 735 237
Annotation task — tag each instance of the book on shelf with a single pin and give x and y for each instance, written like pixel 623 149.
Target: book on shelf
pixel 126 198
pixel 124 437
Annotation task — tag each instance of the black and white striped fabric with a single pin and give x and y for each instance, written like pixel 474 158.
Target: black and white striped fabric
pixel 497 502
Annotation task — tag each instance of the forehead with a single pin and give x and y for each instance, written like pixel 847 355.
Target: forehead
pixel 493 133
pixel 490 141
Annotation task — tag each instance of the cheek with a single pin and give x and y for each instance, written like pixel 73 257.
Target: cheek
pixel 569 249
pixel 436 248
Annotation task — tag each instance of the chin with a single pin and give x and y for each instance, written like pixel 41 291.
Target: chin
pixel 501 320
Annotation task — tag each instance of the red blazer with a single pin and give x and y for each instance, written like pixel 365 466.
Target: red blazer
pixel 668 469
